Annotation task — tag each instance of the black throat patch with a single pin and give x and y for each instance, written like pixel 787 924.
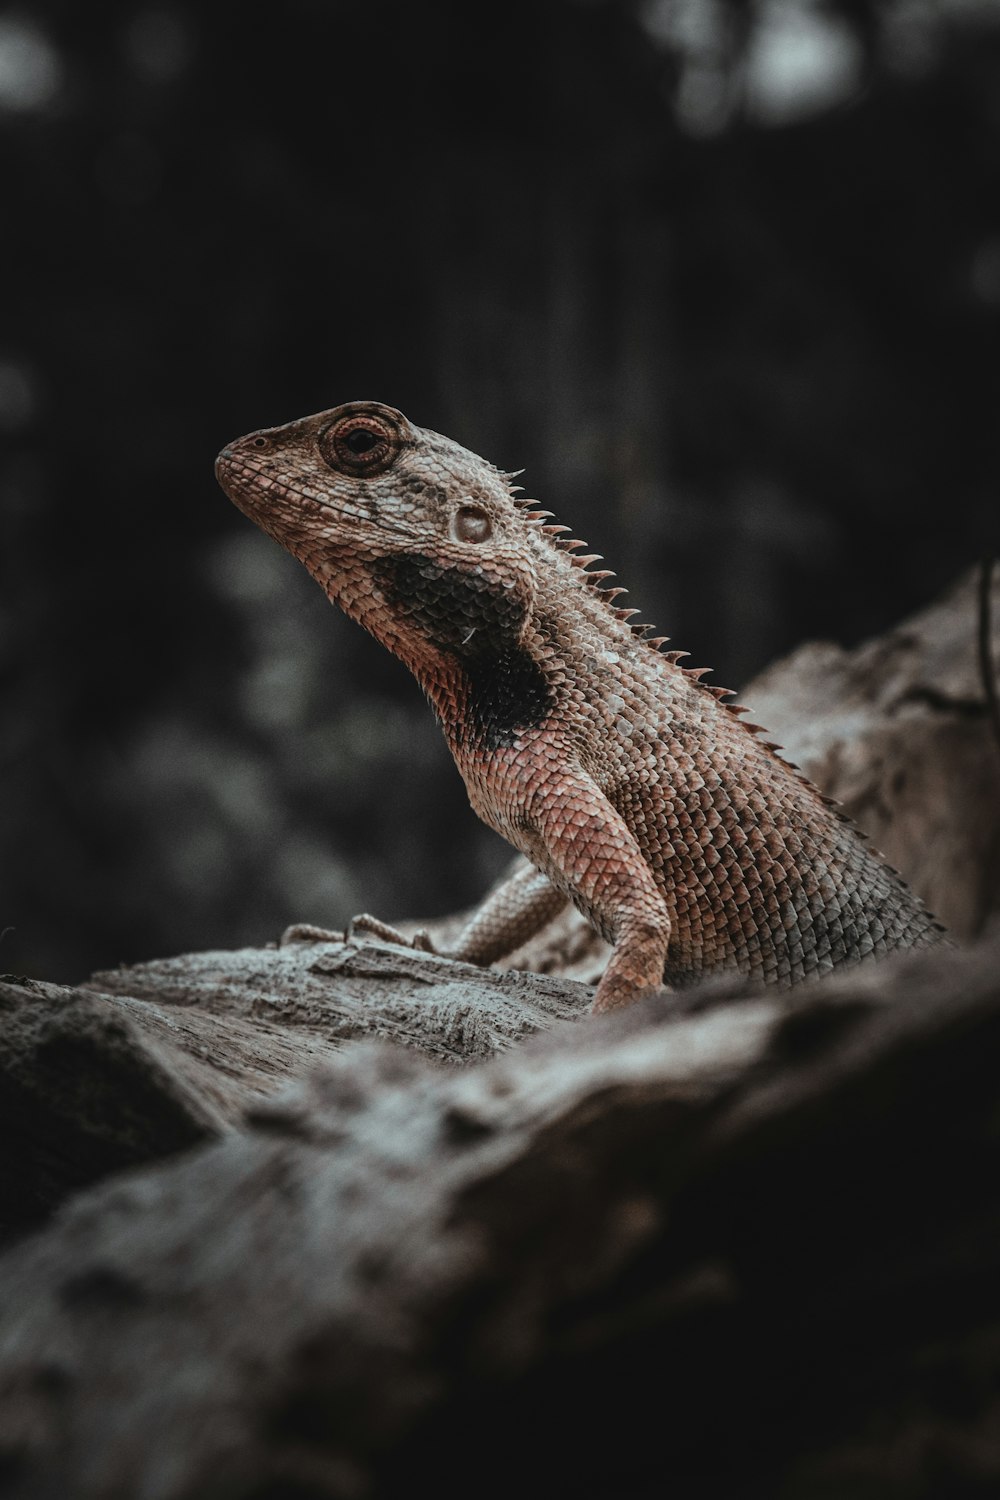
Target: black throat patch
pixel 477 622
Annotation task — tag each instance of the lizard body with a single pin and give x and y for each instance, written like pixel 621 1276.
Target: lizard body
pixel 632 787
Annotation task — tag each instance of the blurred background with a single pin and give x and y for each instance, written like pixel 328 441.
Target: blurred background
pixel 724 278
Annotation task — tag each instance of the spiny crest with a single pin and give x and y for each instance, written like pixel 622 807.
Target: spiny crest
pixel 557 536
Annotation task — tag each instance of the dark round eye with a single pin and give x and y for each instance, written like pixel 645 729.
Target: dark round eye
pixel 470 524
pixel 360 445
pixel 260 442
pixel 361 440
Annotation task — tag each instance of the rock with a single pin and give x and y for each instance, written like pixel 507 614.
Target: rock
pixel 720 1244
pixel 148 1061
pixel 900 733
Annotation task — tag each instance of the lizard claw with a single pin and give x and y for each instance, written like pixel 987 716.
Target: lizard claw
pixel 421 939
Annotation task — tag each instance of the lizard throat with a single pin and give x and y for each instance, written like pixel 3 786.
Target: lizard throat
pixel 492 688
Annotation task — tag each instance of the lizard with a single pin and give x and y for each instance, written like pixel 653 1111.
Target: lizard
pixel 635 789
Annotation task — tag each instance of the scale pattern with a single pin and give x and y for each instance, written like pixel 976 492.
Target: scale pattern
pixel 633 787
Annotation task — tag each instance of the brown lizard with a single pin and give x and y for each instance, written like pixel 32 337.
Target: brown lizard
pixel 634 788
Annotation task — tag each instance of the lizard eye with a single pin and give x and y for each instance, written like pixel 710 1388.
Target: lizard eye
pixel 470 524
pixel 360 445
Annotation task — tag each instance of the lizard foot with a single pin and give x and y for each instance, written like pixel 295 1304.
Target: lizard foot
pixel 358 926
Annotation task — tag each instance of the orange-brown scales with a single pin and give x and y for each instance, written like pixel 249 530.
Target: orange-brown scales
pixel 631 786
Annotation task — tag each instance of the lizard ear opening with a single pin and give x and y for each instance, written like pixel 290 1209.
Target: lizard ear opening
pixel 471 524
pixel 361 444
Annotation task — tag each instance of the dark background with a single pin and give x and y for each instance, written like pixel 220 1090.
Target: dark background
pixel 725 279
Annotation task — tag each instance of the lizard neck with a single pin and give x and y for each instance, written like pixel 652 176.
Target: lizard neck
pixel 492 690
pixel 466 636
pixel 487 699
pixel 570 645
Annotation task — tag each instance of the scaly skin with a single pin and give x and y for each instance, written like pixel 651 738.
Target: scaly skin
pixel 633 789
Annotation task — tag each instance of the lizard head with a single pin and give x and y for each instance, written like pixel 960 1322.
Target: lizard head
pixel 412 535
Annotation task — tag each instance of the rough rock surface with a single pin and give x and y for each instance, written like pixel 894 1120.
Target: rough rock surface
pixel 148 1061
pixel 719 1245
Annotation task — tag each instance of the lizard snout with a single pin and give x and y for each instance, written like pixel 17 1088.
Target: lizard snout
pixel 231 471
pixel 224 466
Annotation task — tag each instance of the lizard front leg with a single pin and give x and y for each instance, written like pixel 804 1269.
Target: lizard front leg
pixel 586 848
